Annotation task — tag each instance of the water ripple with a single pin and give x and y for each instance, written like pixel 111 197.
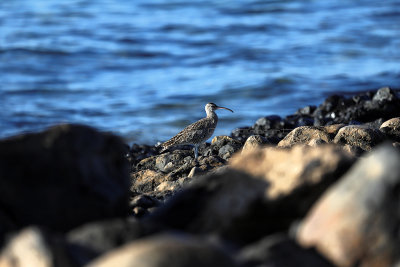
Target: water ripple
pixel 145 68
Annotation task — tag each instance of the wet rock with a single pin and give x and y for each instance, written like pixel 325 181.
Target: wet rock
pixel 91 240
pixel 166 250
pixel 34 247
pixel 279 250
pixel 364 107
pixel 356 221
pixel 332 102
pixel 391 128
pixel 71 169
pixel 384 104
pixel 254 141
pixel 225 145
pixel 307 110
pixel 296 120
pixel 266 123
pixel 359 136
pixel 272 127
pixel 304 135
pixel 289 170
pixel 383 95
pixel 242 133
pixel 304 121
pixel 274 136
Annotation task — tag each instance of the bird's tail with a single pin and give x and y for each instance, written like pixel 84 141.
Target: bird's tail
pixel 164 146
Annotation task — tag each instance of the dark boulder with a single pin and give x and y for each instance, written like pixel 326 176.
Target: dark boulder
pixel 356 221
pixel 62 177
pixel 279 250
pixel 169 249
pixel 215 203
pixel 93 239
pixel 242 133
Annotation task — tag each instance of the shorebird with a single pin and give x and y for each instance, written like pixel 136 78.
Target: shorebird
pixel 198 132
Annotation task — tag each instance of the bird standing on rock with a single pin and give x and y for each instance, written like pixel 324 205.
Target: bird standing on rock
pixel 198 132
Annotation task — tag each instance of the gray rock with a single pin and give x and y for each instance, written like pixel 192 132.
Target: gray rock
pixel 219 141
pixel 279 250
pixel 307 110
pixel 391 128
pixel 304 135
pixel 91 240
pixel 171 161
pixel 376 124
pixel 384 94
pixel 359 136
pixel 226 151
pixel 268 122
pixel 356 221
pixel 254 141
pixel 225 145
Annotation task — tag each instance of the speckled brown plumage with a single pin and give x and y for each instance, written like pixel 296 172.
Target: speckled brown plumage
pixel 198 132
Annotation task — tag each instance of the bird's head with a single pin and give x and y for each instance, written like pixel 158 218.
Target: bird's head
pixel 211 107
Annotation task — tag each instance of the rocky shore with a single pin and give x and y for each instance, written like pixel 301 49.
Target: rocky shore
pixel 316 188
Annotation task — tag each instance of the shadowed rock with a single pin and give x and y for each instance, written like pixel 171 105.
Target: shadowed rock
pixel 93 239
pixel 242 205
pixel 215 203
pixel 62 177
pixel 172 250
pixel 279 250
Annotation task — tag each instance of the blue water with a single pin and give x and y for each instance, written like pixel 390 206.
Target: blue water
pixel 145 68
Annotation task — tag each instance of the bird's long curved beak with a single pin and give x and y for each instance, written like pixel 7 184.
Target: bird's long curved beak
pixel 225 108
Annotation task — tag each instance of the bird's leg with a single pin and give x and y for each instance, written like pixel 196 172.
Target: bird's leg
pixel 196 151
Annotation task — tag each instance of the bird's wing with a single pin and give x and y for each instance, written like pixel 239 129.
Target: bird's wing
pixel 188 134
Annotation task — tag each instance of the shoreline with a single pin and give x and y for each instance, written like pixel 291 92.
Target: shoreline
pixel 74 196
pixel 352 109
